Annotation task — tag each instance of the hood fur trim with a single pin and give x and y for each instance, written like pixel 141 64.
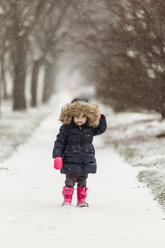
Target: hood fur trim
pixel 77 108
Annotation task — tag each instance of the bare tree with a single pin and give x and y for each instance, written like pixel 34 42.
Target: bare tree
pixel 32 31
pixel 134 70
pixel 48 32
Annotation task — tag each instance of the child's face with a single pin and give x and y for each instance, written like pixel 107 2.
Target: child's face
pixel 80 120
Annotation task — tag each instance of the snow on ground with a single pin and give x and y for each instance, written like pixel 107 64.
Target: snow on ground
pixel 16 127
pixel 140 139
pixel 122 213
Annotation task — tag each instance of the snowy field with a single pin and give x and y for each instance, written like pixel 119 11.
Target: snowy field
pixel 121 213
pixel 16 127
pixel 140 139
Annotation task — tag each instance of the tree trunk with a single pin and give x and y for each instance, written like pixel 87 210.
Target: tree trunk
pixel 162 107
pixel 161 97
pixel 34 85
pixel 18 53
pixel 48 83
pixel 19 102
pixel 1 84
pixel 3 79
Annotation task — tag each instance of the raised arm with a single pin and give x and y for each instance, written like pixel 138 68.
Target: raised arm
pixel 101 127
pixel 59 142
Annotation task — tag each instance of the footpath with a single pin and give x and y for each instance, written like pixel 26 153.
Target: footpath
pixel 121 213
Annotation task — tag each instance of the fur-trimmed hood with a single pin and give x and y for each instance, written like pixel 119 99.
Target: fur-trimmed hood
pixel 76 108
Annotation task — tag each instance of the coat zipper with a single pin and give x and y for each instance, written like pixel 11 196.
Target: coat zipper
pixel 81 143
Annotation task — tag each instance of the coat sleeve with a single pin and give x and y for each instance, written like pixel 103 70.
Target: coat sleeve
pixel 101 127
pixel 59 142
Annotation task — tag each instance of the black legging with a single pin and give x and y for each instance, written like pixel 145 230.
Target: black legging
pixel 71 180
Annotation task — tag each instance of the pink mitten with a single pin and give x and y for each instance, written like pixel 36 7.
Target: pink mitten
pixel 58 163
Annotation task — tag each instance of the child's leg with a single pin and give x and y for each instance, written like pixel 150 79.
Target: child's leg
pixel 68 189
pixel 70 181
pixel 82 180
pixel 82 191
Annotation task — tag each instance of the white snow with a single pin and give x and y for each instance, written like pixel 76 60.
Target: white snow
pixel 1 11
pixel 151 73
pixel 131 53
pixel 121 213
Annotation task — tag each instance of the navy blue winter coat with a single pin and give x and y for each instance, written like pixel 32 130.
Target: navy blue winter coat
pixel 74 144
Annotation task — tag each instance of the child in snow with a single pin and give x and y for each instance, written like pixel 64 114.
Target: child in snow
pixel 81 121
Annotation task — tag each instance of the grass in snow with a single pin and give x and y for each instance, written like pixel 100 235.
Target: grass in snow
pixel 140 139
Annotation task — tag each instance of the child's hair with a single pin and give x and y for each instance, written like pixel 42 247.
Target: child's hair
pixel 78 106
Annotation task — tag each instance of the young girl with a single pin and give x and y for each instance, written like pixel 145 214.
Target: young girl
pixel 81 121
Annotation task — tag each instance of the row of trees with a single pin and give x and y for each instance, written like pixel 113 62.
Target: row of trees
pixel 132 75
pixel 120 45
pixel 30 36
pixel 124 43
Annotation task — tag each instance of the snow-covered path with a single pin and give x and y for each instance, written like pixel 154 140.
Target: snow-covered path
pixel 122 214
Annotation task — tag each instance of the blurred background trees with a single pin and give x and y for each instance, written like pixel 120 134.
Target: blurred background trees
pixel 29 38
pixel 133 77
pixel 117 46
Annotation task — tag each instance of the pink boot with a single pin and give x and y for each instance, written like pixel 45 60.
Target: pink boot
pixel 67 193
pixel 81 195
